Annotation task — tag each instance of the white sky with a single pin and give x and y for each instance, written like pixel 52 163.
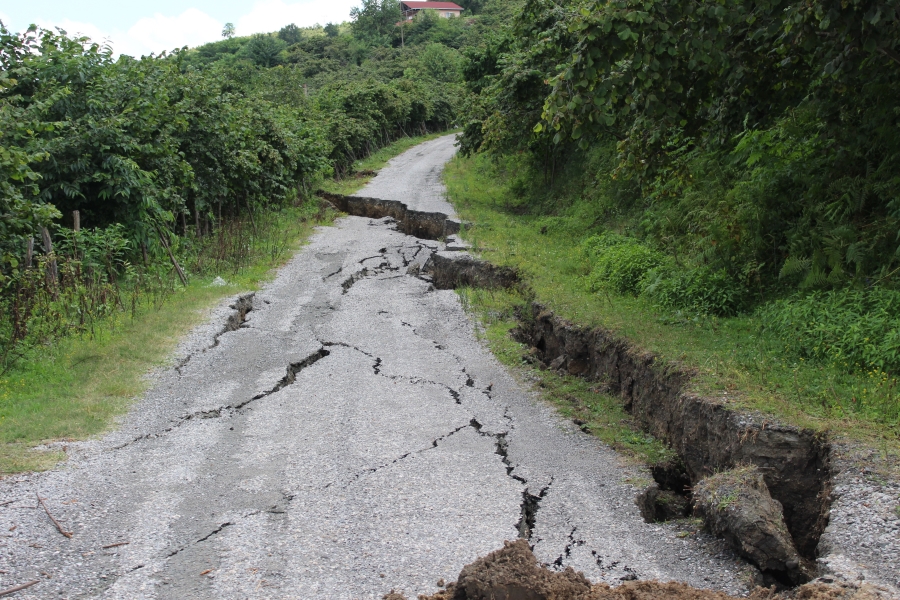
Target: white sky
pixel 136 28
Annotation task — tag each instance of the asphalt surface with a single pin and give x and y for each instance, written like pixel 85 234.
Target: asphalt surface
pixel 352 437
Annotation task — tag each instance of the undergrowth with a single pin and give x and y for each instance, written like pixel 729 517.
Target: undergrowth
pixel 746 360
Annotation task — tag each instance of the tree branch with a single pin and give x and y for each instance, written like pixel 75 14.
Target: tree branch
pixel 890 54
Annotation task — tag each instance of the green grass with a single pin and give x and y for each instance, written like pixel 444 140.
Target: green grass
pixel 732 360
pixel 364 168
pixel 73 389
pixel 577 399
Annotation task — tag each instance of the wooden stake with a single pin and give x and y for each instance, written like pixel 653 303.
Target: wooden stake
pixel 165 244
pixel 67 534
pixel 52 271
pixel 76 220
pixel 17 588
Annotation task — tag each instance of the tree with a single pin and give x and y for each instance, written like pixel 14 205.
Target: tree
pixel 375 20
pixel 473 6
pixel 228 31
pixel 332 30
pixel 291 34
pixel 264 49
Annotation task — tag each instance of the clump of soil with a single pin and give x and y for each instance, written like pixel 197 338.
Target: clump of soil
pixel 737 505
pixel 513 573
pixel 662 505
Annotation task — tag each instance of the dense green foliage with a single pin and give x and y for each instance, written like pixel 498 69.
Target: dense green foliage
pixel 166 157
pixel 743 152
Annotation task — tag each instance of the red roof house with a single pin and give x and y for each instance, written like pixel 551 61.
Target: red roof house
pixel 445 9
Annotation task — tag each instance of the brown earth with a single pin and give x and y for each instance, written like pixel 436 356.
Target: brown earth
pixel 513 573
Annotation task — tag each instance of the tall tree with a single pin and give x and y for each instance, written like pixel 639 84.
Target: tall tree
pixel 291 34
pixel 375 20
pixel 228 31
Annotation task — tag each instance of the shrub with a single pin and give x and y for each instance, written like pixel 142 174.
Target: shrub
pixel 619 263
pixel 855 329
pixel 701 290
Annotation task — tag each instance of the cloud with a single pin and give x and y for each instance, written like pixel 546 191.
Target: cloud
pixel 193 27
pixel 272 15
pixel 149 35
pixel 77 29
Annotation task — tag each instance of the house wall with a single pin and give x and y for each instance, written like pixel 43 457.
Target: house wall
pixel 443 13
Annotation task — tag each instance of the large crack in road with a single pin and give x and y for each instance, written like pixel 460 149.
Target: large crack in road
pixel 340 434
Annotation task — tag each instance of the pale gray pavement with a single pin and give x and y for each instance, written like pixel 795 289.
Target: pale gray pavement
pixel 415 178
pixel 399 454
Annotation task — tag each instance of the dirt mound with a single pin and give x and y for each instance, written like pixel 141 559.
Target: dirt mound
pixel 513 573
pixel 736 505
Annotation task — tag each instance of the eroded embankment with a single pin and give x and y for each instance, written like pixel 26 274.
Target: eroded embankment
pixel 707 436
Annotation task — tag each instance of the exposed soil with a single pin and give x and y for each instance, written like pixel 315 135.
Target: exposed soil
pixel 708 436
pixel 450 270
pixel 513 573
pixel 423 225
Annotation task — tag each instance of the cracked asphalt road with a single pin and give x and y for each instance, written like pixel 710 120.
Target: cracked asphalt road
pixel 349 437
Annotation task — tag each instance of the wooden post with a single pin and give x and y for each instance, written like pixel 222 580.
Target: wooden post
pixel 29 251
pixel 52 270
pixel 76 220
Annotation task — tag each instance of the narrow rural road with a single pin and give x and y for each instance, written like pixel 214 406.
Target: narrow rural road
pixel 351 436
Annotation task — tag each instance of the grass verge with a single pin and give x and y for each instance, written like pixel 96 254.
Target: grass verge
pixel 732 359
pixel 74 388
pixel 581 401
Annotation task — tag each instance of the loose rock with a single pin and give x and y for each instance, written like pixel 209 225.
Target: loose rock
pixel 737 506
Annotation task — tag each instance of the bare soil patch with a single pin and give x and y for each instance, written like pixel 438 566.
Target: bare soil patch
pixel 513 573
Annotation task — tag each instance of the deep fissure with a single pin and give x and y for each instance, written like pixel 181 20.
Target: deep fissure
pixel 423 225
pixel 707 436
pixel 530 506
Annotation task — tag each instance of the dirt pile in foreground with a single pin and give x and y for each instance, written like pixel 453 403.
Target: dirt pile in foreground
pixel 513 573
